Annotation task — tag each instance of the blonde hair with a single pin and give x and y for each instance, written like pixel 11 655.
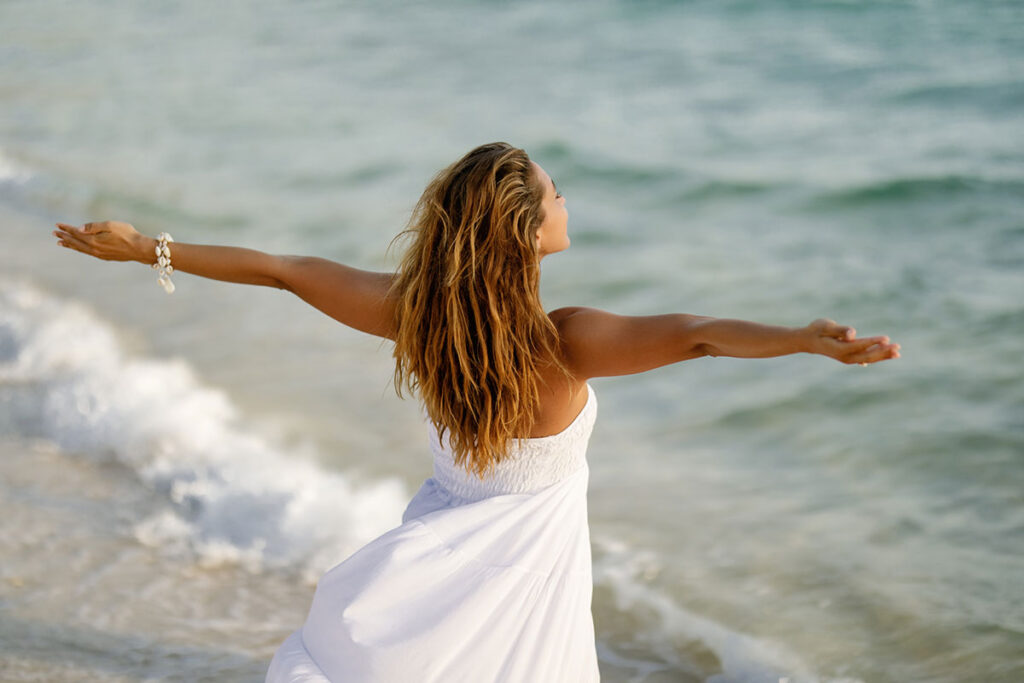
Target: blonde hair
pixel 472 336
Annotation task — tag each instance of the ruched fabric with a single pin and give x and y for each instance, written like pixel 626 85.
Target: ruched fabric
pixel 485 580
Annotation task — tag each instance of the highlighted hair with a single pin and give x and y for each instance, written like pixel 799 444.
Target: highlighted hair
pixel 472 336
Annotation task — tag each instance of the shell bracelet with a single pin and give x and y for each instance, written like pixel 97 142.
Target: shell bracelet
pixel 163 262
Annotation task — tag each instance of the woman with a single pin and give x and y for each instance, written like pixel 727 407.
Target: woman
pixel 488 577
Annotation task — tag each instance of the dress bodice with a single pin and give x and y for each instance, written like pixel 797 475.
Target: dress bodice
pixel 529 466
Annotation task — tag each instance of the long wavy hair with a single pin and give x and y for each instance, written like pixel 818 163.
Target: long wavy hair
pixel 472 336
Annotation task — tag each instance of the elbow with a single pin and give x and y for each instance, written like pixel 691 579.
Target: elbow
pixel 268 280
pixel 701 350
pixel 280 273
pixel 695 330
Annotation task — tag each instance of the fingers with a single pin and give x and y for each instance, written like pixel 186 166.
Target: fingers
pixel 86 229
pixel 71 237
pixel 878 351
pixel 877 357
pixel 859 345
pixel 65 234
pixel 69 240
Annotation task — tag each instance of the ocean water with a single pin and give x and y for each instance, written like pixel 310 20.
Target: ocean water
pixel 176 472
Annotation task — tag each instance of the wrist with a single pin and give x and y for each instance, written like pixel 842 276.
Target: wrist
pixel 145 250
pixel 805 338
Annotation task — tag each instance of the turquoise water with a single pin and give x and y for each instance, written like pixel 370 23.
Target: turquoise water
pixel 791 518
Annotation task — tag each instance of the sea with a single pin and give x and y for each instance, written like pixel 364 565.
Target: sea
pixel 177 471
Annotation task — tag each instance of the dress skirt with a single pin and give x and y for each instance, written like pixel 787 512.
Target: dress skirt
pixel 468 589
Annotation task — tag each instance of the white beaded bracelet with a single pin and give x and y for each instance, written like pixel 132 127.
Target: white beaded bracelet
pixel 163 262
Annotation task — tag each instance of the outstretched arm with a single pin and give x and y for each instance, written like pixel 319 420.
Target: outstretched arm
pixel 354 297
pixel 601 344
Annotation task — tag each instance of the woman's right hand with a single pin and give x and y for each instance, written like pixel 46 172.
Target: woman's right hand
pixel 841 343
pixel 108 240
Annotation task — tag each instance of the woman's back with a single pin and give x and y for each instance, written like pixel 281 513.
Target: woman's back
pixel 560 398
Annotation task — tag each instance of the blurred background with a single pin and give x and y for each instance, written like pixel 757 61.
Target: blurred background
pixel 176 472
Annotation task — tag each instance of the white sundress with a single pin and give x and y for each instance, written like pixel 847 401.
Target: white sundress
pixel 485 580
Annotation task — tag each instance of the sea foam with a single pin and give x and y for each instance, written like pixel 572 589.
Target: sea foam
pixel 742 657
pixel 231 495
pixel 12 172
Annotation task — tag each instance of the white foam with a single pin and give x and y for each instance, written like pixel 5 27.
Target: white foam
pixel 232 496
pixel 743 658
pixel 12 172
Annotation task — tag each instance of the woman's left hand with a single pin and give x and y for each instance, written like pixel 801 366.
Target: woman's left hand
pixel 840 342
pixel 109 240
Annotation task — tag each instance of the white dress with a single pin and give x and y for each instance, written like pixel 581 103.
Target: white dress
pixel 485 580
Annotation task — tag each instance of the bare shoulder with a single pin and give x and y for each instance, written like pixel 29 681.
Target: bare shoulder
pixel 574 324
pixel 580 324
pixel 572 318
pixel 578 328
pixel 560 315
